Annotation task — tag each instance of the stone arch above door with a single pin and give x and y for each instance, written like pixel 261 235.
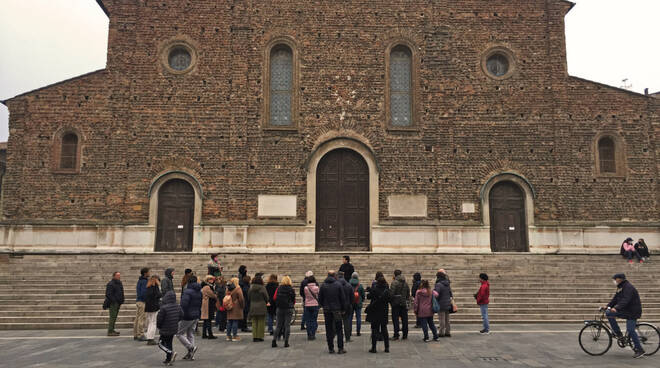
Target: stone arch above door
pixel 516 178
pixel 166 176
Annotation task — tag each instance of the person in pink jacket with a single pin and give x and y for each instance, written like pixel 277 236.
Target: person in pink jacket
pixel 311 307
pixel 423 307
pixel 628 251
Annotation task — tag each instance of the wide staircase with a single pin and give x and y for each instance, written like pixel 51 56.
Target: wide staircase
pixel 58 291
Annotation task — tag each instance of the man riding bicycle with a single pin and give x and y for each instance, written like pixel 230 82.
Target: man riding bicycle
pixel 625 304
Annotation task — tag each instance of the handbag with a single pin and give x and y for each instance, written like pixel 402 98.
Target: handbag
pixel 454 307
pixel 435 306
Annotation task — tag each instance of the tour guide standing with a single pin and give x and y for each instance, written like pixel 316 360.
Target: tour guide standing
pixel 191 304
pixel 141 293
pixel 114 298
pixel 333 301
pixel 625 304
pixel 346 267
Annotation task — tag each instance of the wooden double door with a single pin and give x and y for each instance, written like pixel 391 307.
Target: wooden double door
pixel 508 226
pixel 342 202
pixel 176 209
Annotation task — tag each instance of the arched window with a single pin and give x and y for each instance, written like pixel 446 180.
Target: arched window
pixel 400 86
pixel 281 85
pixel 69 152
pixel 607 155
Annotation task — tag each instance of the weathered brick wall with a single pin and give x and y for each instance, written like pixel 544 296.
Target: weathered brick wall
pixel 138 120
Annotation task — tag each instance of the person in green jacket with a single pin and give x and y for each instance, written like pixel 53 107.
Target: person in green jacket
pixel 356 302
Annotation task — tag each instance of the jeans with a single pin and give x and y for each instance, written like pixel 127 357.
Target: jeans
pixel 270 318
pixel 283 323
pixel 427 322
pixel 186 333
pixel 310 318
pixel 484 316
pixel 357 311
pixel 400 312
pixel 138 324
pixel 165 344
pixel 630 328
pixel 379 329
pixel 632 253
pixel 114 311
pixel 333 328
pixel 232 327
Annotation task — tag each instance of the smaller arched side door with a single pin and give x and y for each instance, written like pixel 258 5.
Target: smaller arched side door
pixel 176 208
pixel 508 225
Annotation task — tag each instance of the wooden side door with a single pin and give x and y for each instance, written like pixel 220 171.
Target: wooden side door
pixel 176 207
pixel 508 228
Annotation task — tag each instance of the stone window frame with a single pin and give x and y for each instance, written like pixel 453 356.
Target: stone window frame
pixel 619 155
pixel 168 46
pixel 503 50
pixel 414 86
pixel 295 85
pixel 57 151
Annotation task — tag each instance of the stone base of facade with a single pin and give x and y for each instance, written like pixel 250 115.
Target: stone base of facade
pixel 301 239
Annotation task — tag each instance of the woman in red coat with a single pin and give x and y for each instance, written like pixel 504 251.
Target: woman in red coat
pixel 482 300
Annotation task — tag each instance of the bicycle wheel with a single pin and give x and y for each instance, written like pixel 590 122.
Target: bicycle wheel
pixel 649 337
pixel 595 339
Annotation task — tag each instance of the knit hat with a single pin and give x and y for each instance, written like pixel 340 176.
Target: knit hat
pixel 619 276
pixel 309 274
pixel 354 275
pixel 187 271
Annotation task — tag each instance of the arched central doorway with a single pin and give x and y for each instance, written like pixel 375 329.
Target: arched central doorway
pixel 342 202
pixel 508 226
pixel 176 207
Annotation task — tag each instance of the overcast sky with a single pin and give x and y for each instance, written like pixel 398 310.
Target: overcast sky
pixel 46 41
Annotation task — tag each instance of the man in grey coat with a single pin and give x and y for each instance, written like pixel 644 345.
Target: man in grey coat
pixel 166 284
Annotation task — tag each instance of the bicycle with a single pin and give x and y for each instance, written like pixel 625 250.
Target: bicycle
pixel 596 336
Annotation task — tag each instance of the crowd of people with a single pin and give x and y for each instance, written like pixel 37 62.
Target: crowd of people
pixel 638 251
pixel 228 304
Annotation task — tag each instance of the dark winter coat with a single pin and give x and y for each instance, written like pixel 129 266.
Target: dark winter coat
pixel 258 297
pixel 642 249
pixel 114 292
pixel 347 269
pixel 169 315
pixel 626 301
pixel 444 295
pixel 332 297
pixel 400 292
pixel 166 284
pixel 152 299
pixel 191 302
pixel 378 309
pixel 271 287
pixel 417 281
pixel 355 283
pixel 141 289
pixel 348 292
pixel 285 297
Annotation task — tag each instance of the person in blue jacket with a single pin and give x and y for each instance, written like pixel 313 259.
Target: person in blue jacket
pixel 191 304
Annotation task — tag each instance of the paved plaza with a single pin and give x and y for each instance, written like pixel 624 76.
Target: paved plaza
pixel 508 346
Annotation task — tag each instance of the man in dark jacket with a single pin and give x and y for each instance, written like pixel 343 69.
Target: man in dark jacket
pixel 114 298
pixel 333 301
pixel 346 267
pixel 400 299
pixel 626 304
pixel 141 293
pixel 166 284
pixel 191 304
pixel 347 313
pixel 444 299
pixel 167 322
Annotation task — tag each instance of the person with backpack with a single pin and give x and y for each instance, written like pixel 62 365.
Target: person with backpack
pixel 114 298
pixel 425 306
pixel 444 299
pixel 356 302
pixel 400 299
pixel 377 312
pixel 151 307
pixel 285 299
pixel 234 302
pixel 191 305
pixel 417 280
pixel 482 301
pixel 271 287
pixel 167 322
pixel 311 305
pixel 208 306
pixel 333 301
pixel 258 297
pixel 140 292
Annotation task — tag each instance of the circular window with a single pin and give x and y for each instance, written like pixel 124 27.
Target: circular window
pixel 179 58
pixel 498 63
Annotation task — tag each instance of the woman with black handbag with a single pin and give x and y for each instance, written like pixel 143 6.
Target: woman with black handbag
pixel 377 312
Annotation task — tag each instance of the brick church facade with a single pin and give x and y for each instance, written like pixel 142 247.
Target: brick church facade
pixel 298 126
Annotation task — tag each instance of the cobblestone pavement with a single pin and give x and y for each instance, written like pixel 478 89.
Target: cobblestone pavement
pixel 507 346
